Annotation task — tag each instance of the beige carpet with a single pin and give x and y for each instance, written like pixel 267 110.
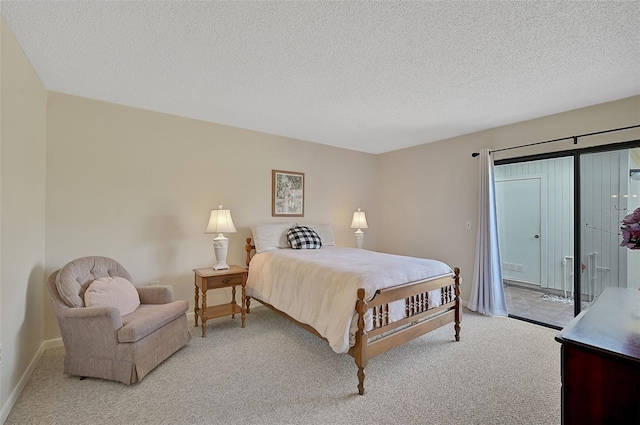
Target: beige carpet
pixel 503 371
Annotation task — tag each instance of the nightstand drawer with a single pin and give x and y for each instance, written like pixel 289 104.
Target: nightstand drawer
pixel 224 281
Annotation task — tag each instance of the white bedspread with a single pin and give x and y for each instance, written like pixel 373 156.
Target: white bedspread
pixel 319 287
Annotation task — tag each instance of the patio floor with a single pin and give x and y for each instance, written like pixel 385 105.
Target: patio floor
pixel 536 305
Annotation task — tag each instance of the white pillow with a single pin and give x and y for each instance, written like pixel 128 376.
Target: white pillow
pixel 112 292
pixel 325 232
pixel 268 237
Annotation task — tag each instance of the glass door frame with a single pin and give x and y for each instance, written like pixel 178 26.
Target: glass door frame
pixel 577 224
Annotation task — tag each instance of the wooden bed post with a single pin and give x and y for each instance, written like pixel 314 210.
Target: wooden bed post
pixel 248 247
pixel 360 352
pixel 457 291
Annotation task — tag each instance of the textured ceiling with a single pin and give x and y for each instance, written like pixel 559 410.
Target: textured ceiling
pixel 367 76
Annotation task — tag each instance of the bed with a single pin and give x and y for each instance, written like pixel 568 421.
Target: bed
pixel 361 302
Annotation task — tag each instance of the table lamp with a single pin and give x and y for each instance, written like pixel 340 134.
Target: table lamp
pixel 359 222
pixel 220 222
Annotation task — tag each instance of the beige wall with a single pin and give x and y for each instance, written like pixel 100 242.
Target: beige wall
pixel 427 193
pixel 138 186
pixel 22 213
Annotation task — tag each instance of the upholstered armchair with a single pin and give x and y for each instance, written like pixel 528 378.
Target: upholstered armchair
pixel 101 342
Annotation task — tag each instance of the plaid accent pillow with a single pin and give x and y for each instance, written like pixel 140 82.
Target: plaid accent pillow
pixel 303 237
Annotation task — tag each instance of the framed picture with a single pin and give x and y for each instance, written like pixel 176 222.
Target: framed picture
pixel 287 194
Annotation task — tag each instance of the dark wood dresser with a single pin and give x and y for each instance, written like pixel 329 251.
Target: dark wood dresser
pixel 600 358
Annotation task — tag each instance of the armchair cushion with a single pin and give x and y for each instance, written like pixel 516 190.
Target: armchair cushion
pixel 148 318
pixel 115 292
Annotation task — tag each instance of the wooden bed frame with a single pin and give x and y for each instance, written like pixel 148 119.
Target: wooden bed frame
pixel 419 319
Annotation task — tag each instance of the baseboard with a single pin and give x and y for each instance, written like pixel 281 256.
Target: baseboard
pixel 13 397
pixel 52 343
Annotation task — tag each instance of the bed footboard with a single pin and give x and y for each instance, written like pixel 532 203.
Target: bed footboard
pixel 419 319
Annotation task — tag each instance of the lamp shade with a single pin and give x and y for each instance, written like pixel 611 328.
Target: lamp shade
pixel 359 220
pixel 220 222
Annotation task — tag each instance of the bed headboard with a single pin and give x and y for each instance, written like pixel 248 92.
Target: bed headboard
pixel 250 248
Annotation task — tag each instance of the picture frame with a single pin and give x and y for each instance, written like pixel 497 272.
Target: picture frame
pixel 287 194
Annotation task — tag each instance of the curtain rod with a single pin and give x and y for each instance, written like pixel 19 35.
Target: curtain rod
pixel 575 139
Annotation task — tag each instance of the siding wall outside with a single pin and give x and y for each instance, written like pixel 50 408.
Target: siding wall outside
pixel 604 192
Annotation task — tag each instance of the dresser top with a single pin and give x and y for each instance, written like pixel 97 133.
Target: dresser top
pixel 611 324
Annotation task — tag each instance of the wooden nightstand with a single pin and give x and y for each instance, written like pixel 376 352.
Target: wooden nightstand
pixel 206 279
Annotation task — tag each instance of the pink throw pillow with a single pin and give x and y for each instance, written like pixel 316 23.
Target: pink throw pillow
pixel 112 292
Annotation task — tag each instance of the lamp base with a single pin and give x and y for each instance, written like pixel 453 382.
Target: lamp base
pixel 220 246
pixel 359 236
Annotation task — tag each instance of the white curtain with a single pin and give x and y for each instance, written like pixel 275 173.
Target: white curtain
pixel 487 293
